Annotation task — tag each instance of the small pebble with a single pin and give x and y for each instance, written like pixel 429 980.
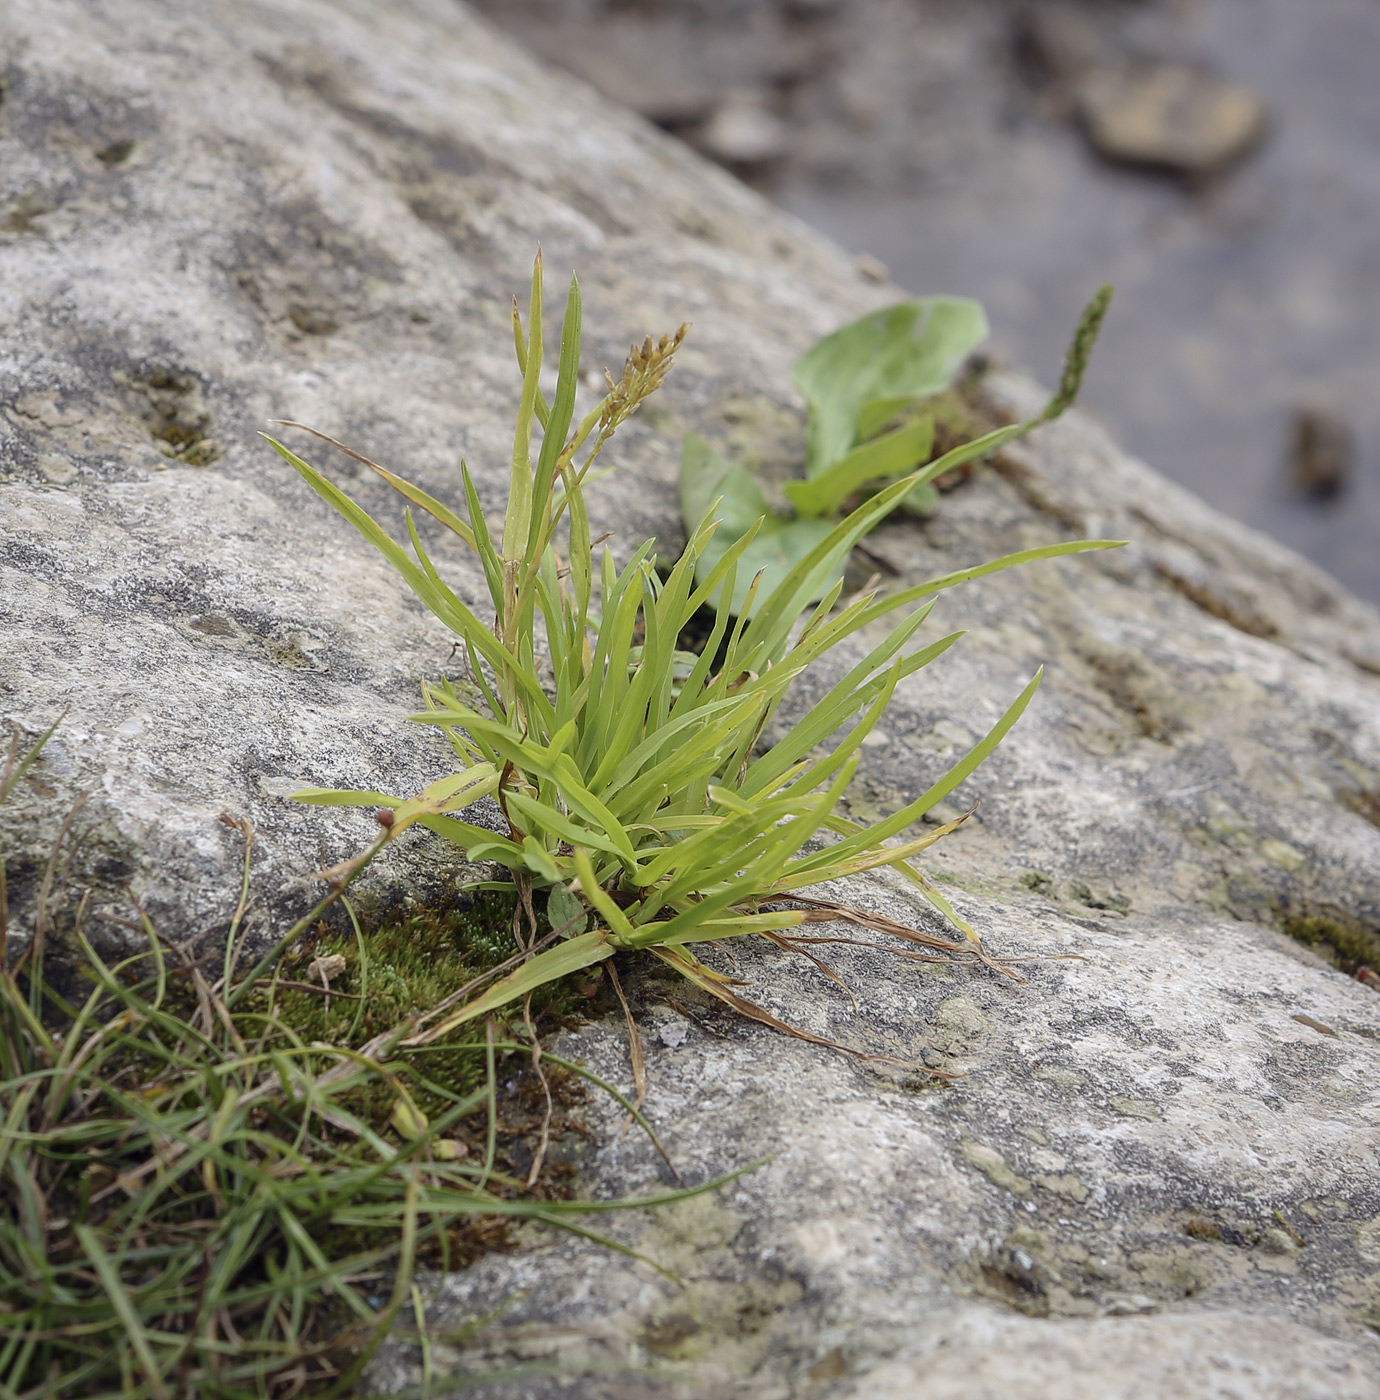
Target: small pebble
pixel 673 1034
pixel 324 968
pixel 1321 454
pixel 742 131
pixel 872 269
pixel 1169 116
pixel 1279 1242
pixel 1128 1305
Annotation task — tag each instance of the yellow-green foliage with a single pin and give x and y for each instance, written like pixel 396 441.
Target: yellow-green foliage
pixel 628 773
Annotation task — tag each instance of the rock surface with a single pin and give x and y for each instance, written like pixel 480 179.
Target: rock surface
pixel 1159 1172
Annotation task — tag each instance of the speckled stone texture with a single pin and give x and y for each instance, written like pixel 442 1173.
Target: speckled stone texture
pixel 1152 1179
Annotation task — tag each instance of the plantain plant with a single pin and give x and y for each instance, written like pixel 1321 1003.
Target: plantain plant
pixel 632 783
pixel 871 388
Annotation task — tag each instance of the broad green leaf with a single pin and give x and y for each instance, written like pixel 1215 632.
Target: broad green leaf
pixel 764 639
pixel 778 547
pixel 922 501
pixel 705 476
pixel 881 413
pixel 865 371
pixel 891 455
pixel 565 913
pixel 779 544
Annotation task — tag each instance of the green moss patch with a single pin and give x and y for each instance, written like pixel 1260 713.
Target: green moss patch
pixel 1346 941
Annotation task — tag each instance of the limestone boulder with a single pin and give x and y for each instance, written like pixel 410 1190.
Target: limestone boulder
pixel 1157 1171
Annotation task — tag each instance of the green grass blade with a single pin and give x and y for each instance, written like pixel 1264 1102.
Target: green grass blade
pixel 109 1276
pixel 845 699
pixel 517 520
pixel 14 774
pixel 558 423
pixel 483 544
pixel 568 956
pixel 442 602
pixel 765 637
pixel 812 866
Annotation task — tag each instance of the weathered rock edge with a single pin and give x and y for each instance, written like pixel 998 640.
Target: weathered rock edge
pixel 212 216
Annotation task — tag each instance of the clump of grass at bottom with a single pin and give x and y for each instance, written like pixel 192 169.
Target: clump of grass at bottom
pixel 217 1180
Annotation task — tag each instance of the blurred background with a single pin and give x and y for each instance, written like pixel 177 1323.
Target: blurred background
pixel 1218 160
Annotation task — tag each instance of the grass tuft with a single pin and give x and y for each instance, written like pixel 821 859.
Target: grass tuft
pixel 218 1173
pixel 637 797
pixel 220 1186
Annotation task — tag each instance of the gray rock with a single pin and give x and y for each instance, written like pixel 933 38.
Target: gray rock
pixel 671 63
pixel 1059 41
pixel 1135 1124
pixel 743 131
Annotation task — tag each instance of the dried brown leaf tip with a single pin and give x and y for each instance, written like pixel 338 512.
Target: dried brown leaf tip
pixel 644 372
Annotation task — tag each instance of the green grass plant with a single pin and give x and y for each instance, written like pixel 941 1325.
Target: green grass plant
pixel 211 1187
pixel 630 782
